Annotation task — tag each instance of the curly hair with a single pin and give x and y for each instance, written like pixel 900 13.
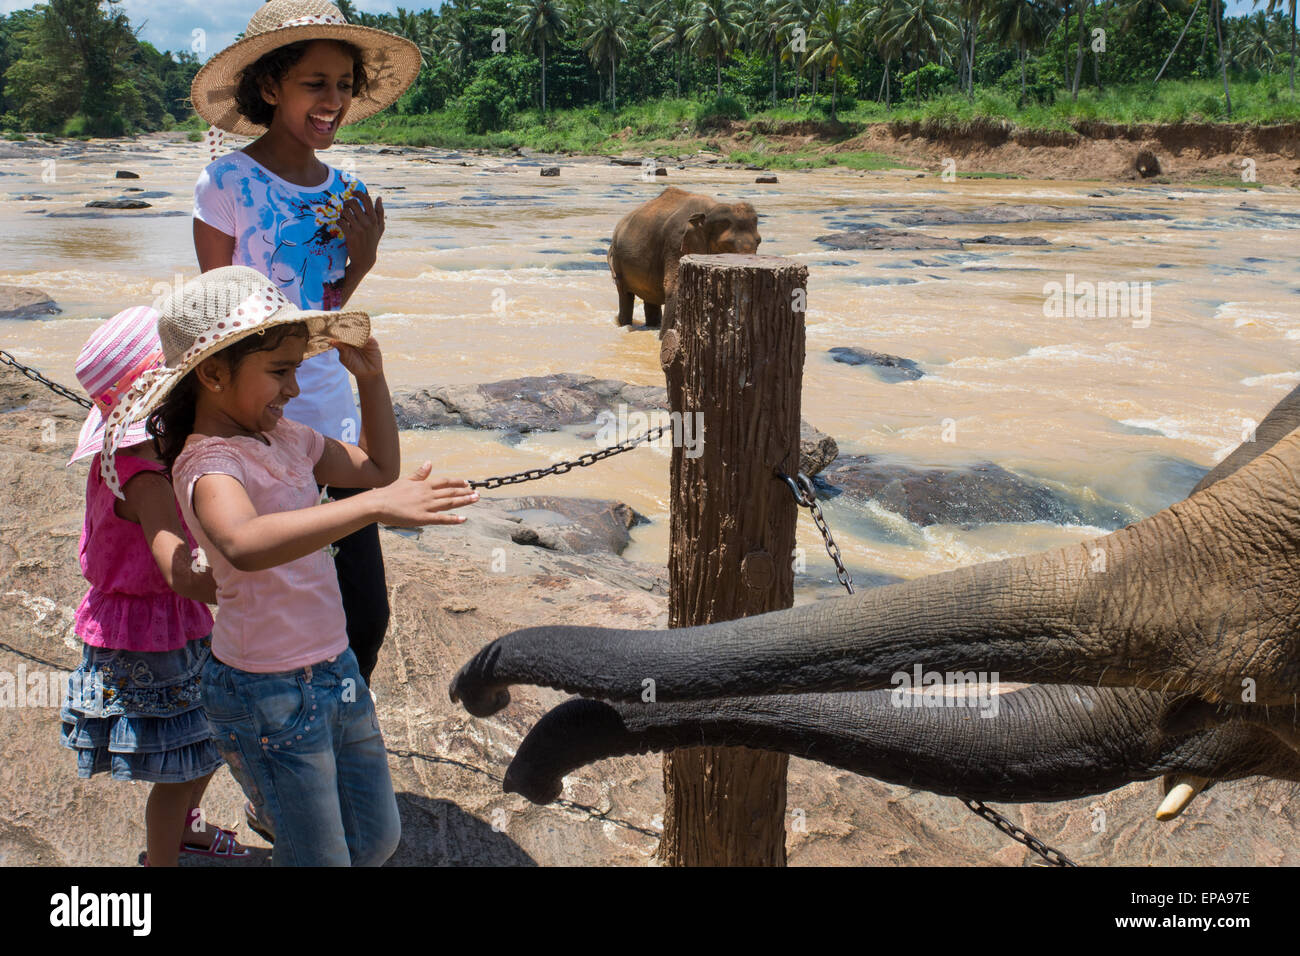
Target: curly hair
pixel 172 422
pixel 274 66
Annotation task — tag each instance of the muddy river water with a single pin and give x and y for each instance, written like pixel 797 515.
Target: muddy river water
pixel 488 271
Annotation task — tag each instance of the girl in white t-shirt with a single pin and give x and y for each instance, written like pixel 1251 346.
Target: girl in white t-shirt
pixel 298 75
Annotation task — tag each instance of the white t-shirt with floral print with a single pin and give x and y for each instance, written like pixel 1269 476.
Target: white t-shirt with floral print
pixel 290 234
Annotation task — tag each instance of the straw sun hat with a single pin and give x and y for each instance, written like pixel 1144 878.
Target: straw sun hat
pixel 203 317
pixel 392 62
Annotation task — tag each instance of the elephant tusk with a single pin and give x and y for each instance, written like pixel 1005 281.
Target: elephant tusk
pixel 1180 790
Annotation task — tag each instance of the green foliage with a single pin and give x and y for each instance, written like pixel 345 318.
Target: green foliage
pixel 714 112
pixel 926 81
pixel 484 106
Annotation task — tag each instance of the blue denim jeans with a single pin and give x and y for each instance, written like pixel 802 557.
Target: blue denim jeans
pixel 305 747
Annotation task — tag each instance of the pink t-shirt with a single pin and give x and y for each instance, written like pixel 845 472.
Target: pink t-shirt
pixel 129 606
pixel 288 616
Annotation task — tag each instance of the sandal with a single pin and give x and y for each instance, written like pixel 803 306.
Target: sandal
pixel 256 825
pixel 223 844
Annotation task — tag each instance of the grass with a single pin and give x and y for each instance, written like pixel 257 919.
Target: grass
pixel 676 126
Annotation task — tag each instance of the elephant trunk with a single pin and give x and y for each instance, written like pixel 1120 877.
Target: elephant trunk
pixel 1176 602
pixel 1029 619
pixel 1039 743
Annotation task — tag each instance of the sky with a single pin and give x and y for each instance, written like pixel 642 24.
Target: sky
pixel 170 24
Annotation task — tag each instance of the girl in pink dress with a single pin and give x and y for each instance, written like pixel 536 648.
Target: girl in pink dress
pixel 133 706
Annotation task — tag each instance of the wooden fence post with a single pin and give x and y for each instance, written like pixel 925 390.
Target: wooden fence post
pixel 734 363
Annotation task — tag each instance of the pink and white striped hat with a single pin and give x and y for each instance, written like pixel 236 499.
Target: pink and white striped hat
pixel 117 353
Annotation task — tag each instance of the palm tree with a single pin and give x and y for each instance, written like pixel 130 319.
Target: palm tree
pixel 1279 5
pixel 921 24
pixel 457 39
pixel 835 41
pixel 670 21
pixel 799 16
pixel 1024 23
pixel 606 39
pixel 1257 43
pixel 714 31
pixel 876 25
pixel 540 22
pixel 767 20
pixel 1174 49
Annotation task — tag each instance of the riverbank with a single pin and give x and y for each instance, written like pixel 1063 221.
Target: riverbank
pixel 1192 153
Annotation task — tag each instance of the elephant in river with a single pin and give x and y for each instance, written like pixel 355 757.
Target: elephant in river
pixel 1167 647
pixel 649 242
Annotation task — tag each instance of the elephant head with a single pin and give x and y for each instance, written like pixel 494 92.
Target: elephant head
pixel 723 228
pixel 1193 612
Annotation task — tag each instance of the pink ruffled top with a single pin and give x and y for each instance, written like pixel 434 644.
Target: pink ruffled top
pixel 129 605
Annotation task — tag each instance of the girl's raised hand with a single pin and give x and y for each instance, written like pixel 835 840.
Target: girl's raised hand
pixel 364 362
pixel 420 500
pixel 362 222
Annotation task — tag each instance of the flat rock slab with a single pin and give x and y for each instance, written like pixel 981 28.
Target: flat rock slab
pixel 980 493
pixel 1018 212
pixel 891 368
pixel 885 239
pixel 118 204
pixel 571 525
pixel 25 302
pixel 1008 241
pixel 550 402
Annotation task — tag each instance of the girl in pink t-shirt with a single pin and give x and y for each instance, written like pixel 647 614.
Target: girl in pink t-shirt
pixel 287 704
pixel 133 706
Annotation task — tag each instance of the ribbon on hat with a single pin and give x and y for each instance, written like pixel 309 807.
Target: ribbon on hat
pixel 215 138
pixel 313 18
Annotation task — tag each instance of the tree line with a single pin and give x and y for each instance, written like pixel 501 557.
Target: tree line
pixel 77 66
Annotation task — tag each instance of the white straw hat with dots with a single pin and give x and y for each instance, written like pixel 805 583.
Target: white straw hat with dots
pixel 204 316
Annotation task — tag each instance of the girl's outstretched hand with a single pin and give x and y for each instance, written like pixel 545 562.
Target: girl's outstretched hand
pixel 364 362
pixel 420 500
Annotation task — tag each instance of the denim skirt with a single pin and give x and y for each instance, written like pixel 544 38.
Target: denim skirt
pixel 138 715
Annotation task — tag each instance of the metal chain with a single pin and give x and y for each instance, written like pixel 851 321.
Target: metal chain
pixel 1052 855
pixel 36 376
pixel 806 497
pixel 582 461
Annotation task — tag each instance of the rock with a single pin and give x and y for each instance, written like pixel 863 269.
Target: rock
pixel 393 151
pixel 539 402
pixel 32 197
pixel 1019 212
pixel 980 493
pixel 885 239
pixel 890 368
pixel 1008 241
pixel 766 178
pixel 816 449
pixel 622 161
pixel 125 174
pixel 118 204
pixel 550 170
pixel 572 525
pixel 551 402
pixel 661 170
pixel 24 302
